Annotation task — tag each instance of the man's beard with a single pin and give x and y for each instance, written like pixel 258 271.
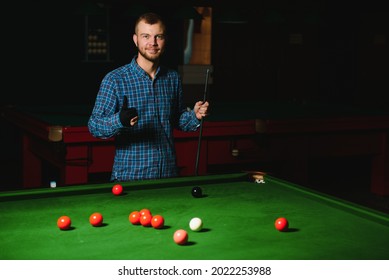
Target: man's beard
pixel 153 58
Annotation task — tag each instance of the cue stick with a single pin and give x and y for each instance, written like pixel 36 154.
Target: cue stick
pixel 201 125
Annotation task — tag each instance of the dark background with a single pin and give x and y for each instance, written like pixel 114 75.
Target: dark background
pixel 341 61
pixel 338 62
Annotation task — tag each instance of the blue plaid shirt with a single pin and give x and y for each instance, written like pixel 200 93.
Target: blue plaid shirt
pixel 146 150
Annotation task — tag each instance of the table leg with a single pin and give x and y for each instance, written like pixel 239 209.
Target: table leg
pixel 31 165
pixel 380 169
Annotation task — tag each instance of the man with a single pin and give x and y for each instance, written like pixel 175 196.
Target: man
pixel 139 104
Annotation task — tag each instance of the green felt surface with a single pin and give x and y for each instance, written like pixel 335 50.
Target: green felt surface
pixel 238 217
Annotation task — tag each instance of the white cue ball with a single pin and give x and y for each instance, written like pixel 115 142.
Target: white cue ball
pixel 196 224
pixel 53 184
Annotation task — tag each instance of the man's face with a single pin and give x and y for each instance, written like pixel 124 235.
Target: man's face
pixel 150 40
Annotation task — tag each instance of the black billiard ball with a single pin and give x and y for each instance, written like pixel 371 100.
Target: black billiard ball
pixel 197 192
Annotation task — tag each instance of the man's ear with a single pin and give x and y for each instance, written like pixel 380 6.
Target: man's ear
pixel 135 39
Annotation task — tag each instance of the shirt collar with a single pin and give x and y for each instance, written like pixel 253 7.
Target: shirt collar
pixel 139 71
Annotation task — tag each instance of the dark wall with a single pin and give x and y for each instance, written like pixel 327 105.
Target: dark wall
pixel 343 58
pixel 340 59
pixel 45 51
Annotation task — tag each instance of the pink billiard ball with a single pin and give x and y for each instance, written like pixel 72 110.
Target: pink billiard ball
pixel 117 189
pixel 281 224
pixel 180 237
pixel 96 219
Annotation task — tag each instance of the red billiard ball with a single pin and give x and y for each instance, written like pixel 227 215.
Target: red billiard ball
pixel 157 221
pixel 145 219
pixel 64 222
pixel 117 189
pixel 180 236
pixel 96 219
pixel 281 224
pixel 144 211
pixel 134 218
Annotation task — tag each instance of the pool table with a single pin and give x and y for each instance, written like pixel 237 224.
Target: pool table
pixel 238 211
pixel 235 135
